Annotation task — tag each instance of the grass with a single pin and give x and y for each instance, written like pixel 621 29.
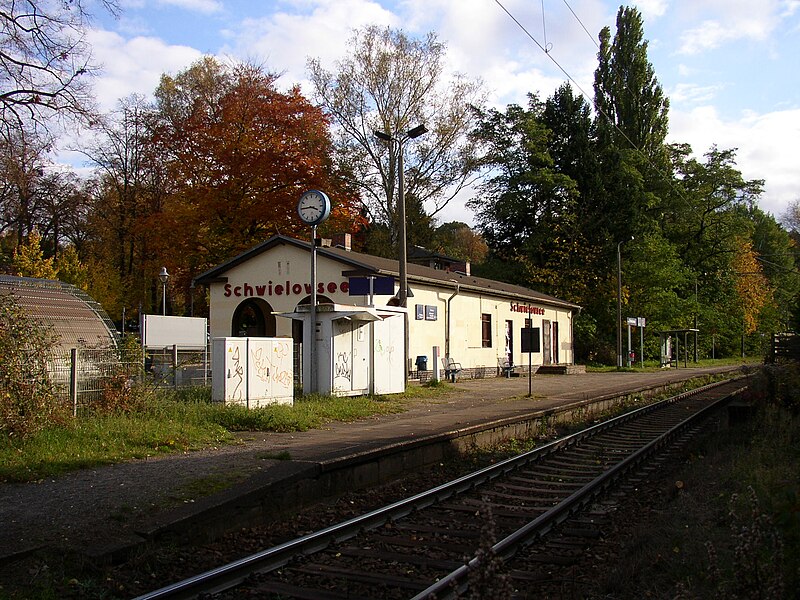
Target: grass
pixel 176 422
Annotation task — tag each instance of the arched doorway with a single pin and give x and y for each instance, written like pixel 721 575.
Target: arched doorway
pixel 253 318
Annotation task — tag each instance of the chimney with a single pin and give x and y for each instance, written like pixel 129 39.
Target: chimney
pixel 341 240
pixel 461 267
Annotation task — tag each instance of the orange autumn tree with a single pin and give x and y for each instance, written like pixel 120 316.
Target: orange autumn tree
pixel 751 285
pixel 240 153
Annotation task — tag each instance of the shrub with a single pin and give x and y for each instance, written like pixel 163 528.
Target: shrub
pixel 27 400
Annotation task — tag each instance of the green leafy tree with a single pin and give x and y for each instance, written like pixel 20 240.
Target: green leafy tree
pixel 526 210
pixel 632 106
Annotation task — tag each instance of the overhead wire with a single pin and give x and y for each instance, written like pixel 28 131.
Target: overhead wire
pixel 586 96
pixel 577 18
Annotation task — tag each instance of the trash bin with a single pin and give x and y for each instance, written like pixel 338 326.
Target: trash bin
pixel 422 363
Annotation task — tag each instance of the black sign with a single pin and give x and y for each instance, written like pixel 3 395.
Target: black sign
pixel 531 339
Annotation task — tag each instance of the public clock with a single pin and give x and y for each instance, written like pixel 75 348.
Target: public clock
pixel 314 207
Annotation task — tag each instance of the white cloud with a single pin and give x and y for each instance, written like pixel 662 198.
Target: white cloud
pixel 134 65
pixel 652 8
pixel 284 41
pixel 766 147
pixel 689 92
pixel 724 21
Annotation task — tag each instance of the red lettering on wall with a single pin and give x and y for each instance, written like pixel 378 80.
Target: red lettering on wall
pixel 287 288
pixel 529 310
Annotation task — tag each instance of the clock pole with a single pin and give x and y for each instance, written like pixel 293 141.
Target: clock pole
pixel 313 337
pixel 313 208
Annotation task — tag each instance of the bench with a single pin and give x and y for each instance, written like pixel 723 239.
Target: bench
pixel 451 368
pixel 505 366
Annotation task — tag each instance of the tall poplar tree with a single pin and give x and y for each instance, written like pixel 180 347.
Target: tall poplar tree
pixel 633 111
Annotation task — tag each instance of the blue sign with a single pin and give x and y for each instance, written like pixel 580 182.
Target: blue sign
pixel 381 286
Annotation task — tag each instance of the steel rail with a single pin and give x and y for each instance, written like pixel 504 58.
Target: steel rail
pixel 454 583
pixel 227 576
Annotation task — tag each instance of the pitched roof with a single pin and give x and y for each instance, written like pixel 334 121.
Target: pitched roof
pixel 356 263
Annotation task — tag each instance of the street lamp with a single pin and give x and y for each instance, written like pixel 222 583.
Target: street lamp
pixel 619 302
pixel 402 295
pixel 164 277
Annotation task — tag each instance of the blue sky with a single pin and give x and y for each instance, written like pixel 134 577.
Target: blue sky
pixel 728 66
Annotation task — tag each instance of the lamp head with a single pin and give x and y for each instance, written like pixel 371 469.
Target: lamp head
pixel 163 275
pixel 383 136
pixel 417 131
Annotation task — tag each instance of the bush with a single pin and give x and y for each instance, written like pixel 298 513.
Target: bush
pixel 27 400
pixel 777 384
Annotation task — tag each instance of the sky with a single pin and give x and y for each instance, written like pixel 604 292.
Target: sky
pixel 728 67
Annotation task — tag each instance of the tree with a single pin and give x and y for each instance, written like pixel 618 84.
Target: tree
pixel 238 153
pixel 631 124
pixel 22 169
pixel 458 240
pixel 45 60
pixel 391 83
pixel 126 194
pixel 632 106
pixel 526 207
pixel 29 260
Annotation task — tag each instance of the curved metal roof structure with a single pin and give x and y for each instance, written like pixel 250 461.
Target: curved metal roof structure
pixel 77 320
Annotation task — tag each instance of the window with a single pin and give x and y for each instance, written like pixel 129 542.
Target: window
pixel 486 330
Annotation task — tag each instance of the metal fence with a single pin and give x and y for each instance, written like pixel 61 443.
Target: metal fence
pixel 94 377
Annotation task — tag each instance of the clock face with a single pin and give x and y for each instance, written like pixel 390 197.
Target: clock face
pixel 314 207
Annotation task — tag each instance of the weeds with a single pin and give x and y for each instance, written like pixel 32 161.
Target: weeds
pixel 150 422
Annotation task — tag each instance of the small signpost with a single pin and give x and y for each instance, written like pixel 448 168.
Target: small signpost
pixel 639 322
pixel 531 343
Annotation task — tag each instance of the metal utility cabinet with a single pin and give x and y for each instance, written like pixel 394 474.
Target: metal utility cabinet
pixel 359 350
pixel 252 371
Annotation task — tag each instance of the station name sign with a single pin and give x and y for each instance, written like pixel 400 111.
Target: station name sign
pixel 528 310
pixel 286 288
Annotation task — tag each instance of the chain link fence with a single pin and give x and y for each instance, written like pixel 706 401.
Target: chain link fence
pixel 87 377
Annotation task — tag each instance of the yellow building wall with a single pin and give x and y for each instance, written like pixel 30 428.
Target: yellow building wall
pixel 281 277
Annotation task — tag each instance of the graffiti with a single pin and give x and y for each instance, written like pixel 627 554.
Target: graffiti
pixel 237 375
pixel 385 351
pixel 260 364
pixel 342 367
pixel 282 350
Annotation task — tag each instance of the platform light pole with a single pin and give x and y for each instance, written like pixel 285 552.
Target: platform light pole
pixel 402 295
pixel 164 277
pixel 619 301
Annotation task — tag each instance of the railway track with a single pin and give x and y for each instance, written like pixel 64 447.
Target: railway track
pixel 426 546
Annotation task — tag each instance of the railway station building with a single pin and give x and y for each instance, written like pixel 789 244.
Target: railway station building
pixel 477 322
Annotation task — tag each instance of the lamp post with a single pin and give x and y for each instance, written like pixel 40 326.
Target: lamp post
pixel 402 295
pixel 619 302
pixel 695 318
pixel 164 277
